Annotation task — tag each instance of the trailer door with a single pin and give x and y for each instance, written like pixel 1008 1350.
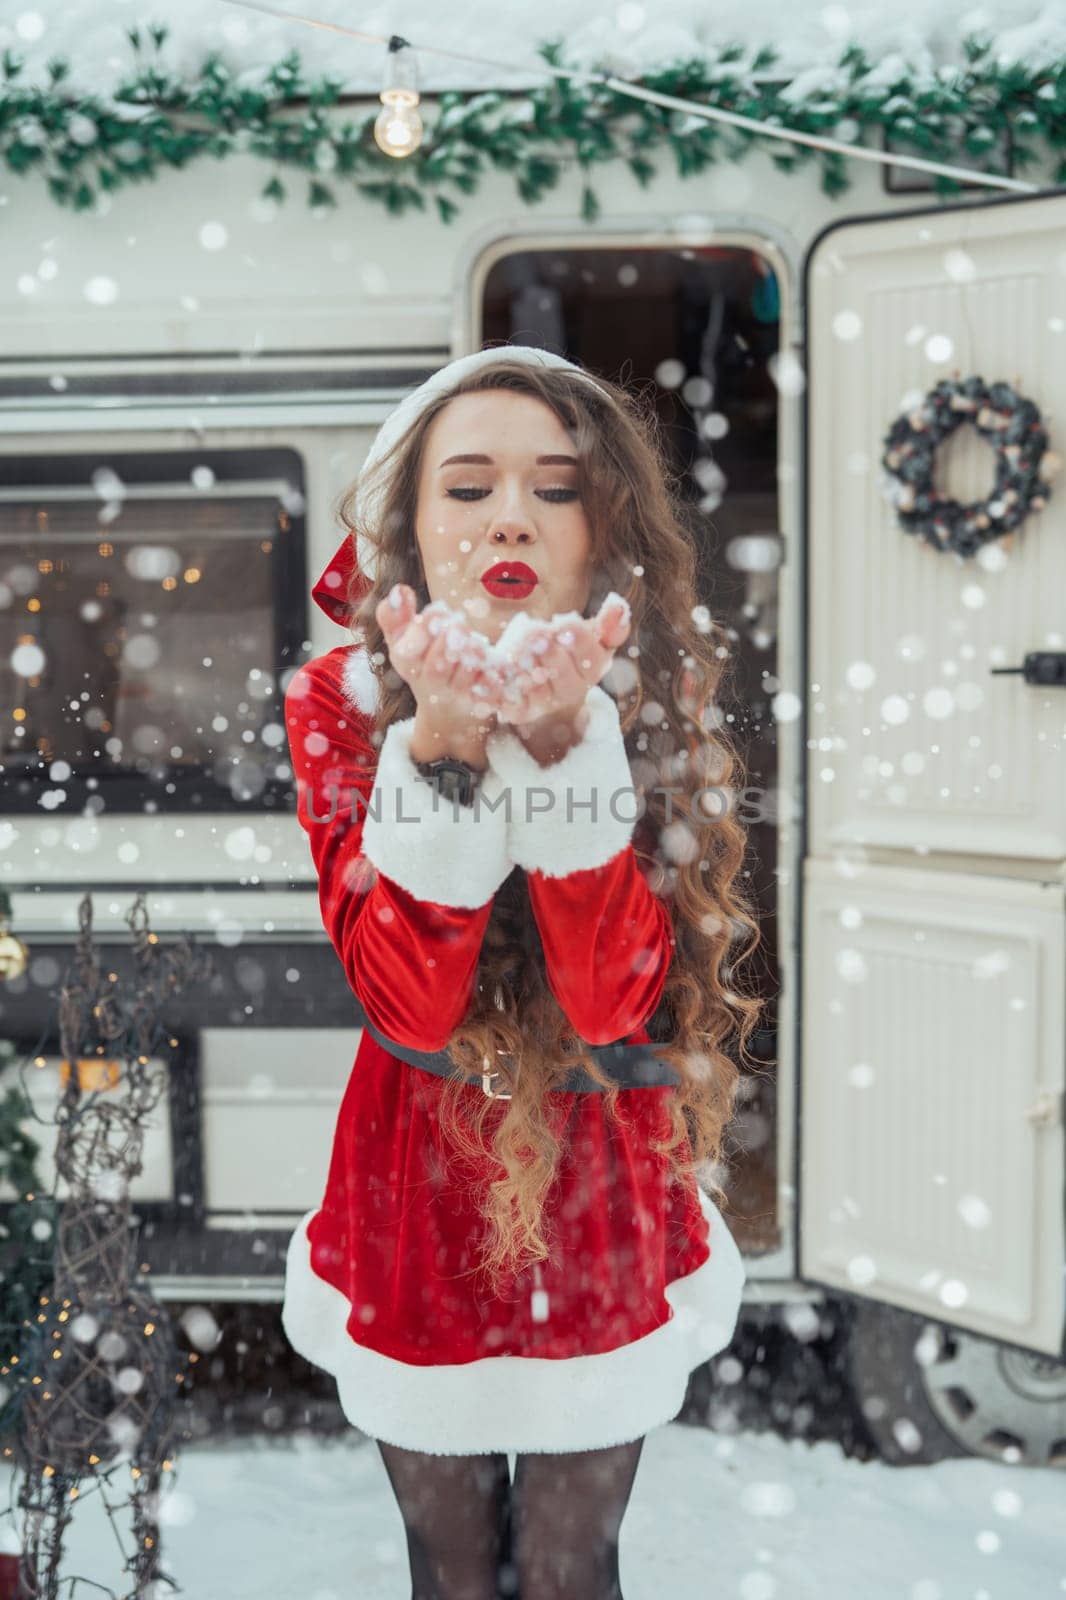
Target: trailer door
pixel 932 1033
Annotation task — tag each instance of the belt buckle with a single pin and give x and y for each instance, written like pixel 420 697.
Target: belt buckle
pixel 494 1094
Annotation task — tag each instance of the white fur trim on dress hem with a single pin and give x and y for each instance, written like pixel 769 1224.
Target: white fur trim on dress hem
pixel 580 810
pixel 519 1403
pixel 434 848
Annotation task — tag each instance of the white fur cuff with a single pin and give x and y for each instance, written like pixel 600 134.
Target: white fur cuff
pixel 434 848
pixel 577 813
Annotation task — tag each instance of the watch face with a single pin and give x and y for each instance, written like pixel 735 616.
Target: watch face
pixel 454 784
pixel 453 780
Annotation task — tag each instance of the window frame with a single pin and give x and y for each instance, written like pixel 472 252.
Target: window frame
pixel 195 791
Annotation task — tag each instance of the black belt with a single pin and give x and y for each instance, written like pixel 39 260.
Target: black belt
pixel 631 1066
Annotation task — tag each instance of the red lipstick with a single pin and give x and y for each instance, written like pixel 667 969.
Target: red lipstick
pixel 511 580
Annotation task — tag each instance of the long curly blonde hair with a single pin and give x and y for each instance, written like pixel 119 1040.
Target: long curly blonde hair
pixel 666 679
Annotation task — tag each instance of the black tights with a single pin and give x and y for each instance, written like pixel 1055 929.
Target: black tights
pixel 551 1535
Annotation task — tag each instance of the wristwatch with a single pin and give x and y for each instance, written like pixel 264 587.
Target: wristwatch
pixel 453 779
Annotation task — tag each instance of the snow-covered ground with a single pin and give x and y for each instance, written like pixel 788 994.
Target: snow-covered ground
pixel 712 1517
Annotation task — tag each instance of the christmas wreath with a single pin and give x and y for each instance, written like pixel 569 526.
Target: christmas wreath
pixel 1009 422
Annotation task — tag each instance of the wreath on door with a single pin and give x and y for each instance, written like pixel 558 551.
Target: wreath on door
pixel 1009 422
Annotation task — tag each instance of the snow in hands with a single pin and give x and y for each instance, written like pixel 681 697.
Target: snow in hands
pixel 514 666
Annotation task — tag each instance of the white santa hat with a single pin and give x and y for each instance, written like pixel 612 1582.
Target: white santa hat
pixel 332 587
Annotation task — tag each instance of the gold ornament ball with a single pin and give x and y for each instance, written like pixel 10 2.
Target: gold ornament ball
pixel 14 956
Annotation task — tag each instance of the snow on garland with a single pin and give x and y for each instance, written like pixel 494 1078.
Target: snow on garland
pixel 1012 426
pixel 86 145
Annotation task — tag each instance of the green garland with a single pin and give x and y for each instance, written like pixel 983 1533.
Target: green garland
pixel 85 145
pixel 28 1225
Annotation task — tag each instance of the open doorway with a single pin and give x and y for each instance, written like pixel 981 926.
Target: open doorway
pixel 697 329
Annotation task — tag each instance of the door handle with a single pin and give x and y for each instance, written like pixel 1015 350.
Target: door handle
pixel 1044 667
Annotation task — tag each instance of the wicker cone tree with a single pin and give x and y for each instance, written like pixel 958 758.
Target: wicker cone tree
pixel 100 1366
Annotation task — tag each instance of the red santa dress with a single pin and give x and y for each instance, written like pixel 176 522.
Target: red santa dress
pixel 645 1281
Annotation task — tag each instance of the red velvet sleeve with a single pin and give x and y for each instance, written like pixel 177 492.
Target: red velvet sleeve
pixel 404 900
pixel 608 940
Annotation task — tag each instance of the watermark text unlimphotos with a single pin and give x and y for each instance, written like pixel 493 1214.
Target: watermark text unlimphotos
pixel 750 804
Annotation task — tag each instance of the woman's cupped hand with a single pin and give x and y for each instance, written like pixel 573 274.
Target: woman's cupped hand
pixel 548 674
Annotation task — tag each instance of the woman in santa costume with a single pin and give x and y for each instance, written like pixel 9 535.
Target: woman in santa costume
pixel 517 795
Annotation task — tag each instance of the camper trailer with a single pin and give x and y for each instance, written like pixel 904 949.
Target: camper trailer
pixel 182 406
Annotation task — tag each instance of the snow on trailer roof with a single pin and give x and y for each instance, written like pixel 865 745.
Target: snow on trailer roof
pixel 621 36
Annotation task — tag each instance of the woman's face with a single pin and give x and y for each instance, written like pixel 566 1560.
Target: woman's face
pixel 512 498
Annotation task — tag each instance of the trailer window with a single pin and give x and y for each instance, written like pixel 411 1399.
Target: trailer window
pixel 149 604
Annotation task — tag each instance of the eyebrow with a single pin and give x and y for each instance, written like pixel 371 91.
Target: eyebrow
pixel 486 461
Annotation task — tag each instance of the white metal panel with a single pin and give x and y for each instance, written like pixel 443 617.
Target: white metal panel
pixel 980 765
pixel 931 1139
pixel 351 279
pixel 229 917
pixel 40 1081
pixel 270 1103
pixel 67 849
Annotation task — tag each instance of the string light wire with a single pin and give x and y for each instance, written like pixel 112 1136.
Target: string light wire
pixel 670 102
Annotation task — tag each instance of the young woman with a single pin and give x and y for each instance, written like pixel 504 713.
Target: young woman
pixel 512 1254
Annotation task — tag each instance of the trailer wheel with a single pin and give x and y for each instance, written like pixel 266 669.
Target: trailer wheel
pixel 929 1393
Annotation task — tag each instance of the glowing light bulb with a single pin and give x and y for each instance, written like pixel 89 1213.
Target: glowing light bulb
pixel 398 128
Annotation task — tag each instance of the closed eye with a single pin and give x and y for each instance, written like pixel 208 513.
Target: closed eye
pixel 479 494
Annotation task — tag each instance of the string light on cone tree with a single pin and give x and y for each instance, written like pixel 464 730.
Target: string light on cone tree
pixel 97 1362
pixel 398 129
